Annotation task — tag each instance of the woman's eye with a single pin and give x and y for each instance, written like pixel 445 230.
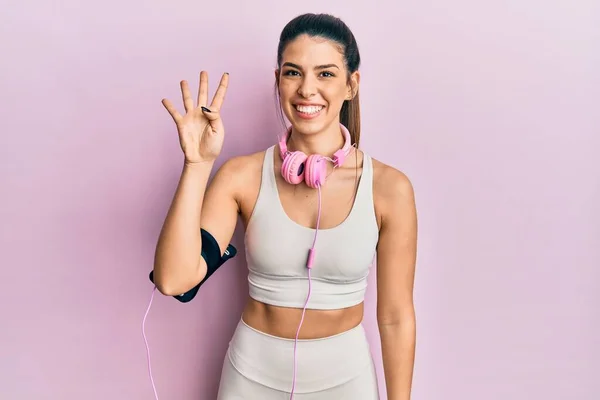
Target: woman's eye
pixel 325 74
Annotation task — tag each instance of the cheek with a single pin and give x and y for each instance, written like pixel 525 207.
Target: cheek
pixel 336 95
pixel 286 89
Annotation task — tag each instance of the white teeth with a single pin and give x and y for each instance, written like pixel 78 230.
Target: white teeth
pixel 309 109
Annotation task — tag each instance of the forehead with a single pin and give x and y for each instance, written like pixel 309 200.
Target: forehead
pixel 309 51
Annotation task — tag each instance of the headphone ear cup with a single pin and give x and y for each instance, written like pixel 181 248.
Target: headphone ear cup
pixel 316 171
pixel 293 167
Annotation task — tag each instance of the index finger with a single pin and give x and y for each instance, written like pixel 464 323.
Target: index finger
pixel 220 93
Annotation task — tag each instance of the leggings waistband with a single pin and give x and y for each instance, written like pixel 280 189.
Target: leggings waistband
pixel 320 363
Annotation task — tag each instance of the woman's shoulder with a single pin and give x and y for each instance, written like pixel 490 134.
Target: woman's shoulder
pixel 390 184
pixel 244 167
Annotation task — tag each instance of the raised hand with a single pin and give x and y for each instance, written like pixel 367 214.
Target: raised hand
pixel 201 131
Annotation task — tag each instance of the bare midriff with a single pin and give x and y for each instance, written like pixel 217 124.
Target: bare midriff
pixel 283 321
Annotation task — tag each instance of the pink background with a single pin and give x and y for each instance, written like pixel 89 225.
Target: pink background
pixel 492 108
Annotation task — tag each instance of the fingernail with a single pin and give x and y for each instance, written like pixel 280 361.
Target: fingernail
pixel 226 73
pixel 205 109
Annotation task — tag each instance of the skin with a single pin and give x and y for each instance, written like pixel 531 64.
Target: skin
pixel 234 190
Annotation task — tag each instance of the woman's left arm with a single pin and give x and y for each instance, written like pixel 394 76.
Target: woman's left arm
pixel 396 259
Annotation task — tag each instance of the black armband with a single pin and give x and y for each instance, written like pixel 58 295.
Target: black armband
pixel 214 259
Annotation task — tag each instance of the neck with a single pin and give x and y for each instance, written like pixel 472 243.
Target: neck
pixel 325 142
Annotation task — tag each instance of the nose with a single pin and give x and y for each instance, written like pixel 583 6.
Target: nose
pixel 307 87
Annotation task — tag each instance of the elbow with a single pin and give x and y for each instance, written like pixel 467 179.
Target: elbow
pixel 164 284
pixel 399 316
pixel 402 327
pixel 171 284
pixel 175 287
pixel 166 288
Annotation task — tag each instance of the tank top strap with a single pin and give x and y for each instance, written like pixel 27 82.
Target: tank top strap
pixel 365 189
pixel 267 194
pixel 268 178
pixel 364 206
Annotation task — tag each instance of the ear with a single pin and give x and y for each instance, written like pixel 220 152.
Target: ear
pixel 276 75
pixel 353 85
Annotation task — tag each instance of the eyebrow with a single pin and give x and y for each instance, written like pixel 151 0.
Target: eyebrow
pixel 325 66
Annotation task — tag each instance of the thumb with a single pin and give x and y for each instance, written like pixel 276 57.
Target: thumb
pixel 212 115
pixel 214 119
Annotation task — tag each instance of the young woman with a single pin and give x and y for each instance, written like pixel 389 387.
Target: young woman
pixel 317 210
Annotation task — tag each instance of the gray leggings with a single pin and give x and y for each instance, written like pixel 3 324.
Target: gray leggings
pixel 260 366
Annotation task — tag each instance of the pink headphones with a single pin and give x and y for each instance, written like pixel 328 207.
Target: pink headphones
pixel 298 167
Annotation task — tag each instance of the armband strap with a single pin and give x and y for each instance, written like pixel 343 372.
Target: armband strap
pixel 214 259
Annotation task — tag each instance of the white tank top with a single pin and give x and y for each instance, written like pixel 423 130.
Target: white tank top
pixel 277 249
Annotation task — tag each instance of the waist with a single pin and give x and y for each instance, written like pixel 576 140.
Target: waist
pixel 293 291
pixel 283 321
pixel 322 363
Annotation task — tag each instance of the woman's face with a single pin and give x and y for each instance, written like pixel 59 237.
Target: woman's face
pixel 313 83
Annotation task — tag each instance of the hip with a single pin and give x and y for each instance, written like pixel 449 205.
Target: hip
pixel 321 363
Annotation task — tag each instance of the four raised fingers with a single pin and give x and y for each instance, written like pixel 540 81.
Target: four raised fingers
pixel 188 103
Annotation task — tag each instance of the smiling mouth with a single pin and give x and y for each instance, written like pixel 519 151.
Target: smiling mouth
pixel 309 110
